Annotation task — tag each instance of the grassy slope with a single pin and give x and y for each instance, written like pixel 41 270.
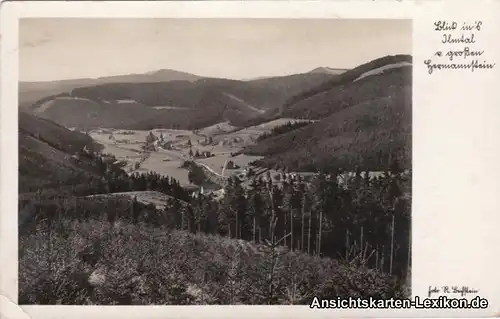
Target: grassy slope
pixel 141 265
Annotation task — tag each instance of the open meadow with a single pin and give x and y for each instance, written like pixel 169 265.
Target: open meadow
pixel 225 141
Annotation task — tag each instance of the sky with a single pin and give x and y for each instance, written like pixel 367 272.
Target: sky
pixel 70 48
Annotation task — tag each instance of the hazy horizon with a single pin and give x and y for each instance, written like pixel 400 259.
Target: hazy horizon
pixel 53 49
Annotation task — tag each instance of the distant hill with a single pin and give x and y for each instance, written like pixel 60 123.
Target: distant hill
pixel 327 70
pixel 364 118
pixel 30 92
pixel 173 104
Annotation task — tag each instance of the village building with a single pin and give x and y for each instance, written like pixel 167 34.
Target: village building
pixel 151 147
pixel 151 138
pixel 206 154
pixel 86 150
pixel 167 145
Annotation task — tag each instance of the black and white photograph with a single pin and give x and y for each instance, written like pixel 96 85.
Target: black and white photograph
pixel 221 161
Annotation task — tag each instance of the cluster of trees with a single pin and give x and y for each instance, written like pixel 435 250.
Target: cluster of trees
pixel 151 138
pixel 287 127
pixel 369 219
pixel 53 211
pixel 232 165
pixel 328 158
pixel 107 176
pixel 367 222
pixel 196 174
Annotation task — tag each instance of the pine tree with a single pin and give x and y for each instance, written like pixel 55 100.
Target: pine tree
pixel 225 215
pixel 304 206
pixel 256 207
pixel 367 178
pixel 134 210
pixel 278 213
pixel 190 219
pixel 319 206
pixel 212 222
pixel 238 206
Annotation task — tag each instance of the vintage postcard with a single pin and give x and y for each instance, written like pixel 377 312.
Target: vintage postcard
pixel 278 159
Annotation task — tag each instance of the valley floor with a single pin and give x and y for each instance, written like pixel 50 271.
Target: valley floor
pixel 126 146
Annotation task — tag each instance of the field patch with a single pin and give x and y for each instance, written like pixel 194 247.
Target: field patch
pixel 146 197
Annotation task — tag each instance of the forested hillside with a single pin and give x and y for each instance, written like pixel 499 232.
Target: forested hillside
pixel 172 104
pixel 365 123
pixel 296 227
pixel 31 92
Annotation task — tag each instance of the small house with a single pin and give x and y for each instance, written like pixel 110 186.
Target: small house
pixel 206 154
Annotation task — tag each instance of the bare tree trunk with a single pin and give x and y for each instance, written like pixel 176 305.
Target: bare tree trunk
pixel 302 228
pixel 347 246
pixel 254 225
pixel 291 229
pixel 409 252
pixel 236 228
pixel 316 245
pixel 309 236
pixel 320 230
pixel 392 245
pixel 361 239
pixel 272 224
pixel 382 259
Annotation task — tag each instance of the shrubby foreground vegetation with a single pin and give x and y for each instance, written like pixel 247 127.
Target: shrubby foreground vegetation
pixel 137 264
pixel 270 244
